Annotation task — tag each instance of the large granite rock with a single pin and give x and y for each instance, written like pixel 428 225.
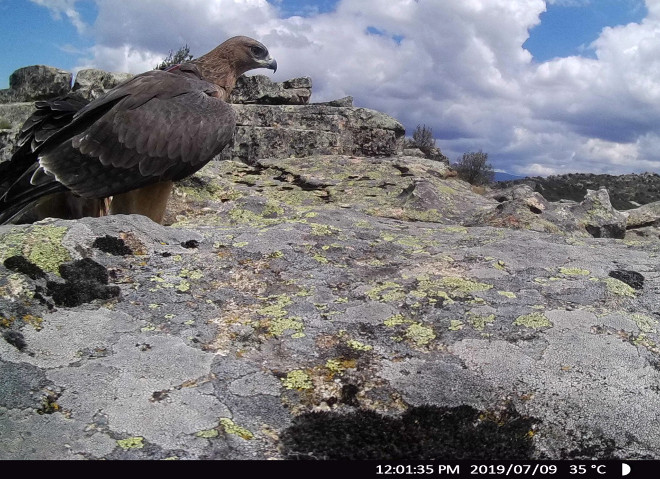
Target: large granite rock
pixel 626 191
pixel 274 120
pixel 92 83
pixel 262 90
pixel 521 207
pixel 320 308
pixel 265 131
pixel 37 82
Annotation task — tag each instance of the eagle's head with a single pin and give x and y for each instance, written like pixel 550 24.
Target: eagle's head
pixel 248 54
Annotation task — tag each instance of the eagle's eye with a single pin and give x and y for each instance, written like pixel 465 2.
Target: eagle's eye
pixel 258 51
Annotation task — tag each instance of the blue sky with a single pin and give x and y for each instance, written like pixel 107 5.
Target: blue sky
pixel 564 29
pixel 543 86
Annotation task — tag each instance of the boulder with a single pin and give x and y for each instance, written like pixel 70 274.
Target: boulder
pixel 522 207
pixel 261 89
pixel 92 83
pixel 345 101
pixel 37 82
pixel 269 131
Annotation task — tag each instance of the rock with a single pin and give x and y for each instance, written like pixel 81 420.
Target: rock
pixel 265 131
pixel 626 191
pixel 328 307
pixel 92 83
pixel 645 215
pixel 416 152
pixel 261 89
pixel 12 116
pixel 38 82
pixel 521 207
pixel 347 101
pixel 598 216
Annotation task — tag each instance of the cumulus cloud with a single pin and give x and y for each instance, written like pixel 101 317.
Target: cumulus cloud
pixel 458 67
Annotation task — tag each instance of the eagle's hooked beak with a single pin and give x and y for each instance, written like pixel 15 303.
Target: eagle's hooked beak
pixel 269 63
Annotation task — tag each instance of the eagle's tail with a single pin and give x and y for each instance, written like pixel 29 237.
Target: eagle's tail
pixel 17 192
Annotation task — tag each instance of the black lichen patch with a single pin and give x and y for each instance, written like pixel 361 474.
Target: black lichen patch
pixel 349 394
pixel 632 278
pixel 21 264
pixel 84 269
pixel 112 245
pixel 190 244
pixel 16 339
pixel 421 433
pixel 86 280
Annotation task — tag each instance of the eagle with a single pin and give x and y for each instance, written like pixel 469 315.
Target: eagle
pixel 121 153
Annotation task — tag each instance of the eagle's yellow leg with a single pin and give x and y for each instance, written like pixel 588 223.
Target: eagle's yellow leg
pixel 149 201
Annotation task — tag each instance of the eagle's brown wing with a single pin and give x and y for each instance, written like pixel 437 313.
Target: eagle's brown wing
pixel 158 126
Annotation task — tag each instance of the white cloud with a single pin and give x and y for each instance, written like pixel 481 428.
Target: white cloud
pixel 66 8
pixel 458 67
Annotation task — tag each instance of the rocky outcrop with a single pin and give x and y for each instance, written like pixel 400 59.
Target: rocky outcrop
pixel 326 307
pixel 626 191
pixel 264 131
pixel 38 82
pixel 274 120
pixel 260 89
pixel 521 207
pixel 92 83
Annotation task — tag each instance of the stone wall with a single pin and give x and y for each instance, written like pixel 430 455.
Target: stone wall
pixel 275 120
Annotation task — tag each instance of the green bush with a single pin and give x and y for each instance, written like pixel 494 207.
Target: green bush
pixel 474 168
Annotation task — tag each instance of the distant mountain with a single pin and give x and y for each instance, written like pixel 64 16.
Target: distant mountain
pixel 626 191
pixel 502 176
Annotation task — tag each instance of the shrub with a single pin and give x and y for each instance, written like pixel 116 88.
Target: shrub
pixel 182 55
pixel 474 168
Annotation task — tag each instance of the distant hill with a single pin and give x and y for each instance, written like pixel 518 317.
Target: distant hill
pixel 626 191
pixel 501 176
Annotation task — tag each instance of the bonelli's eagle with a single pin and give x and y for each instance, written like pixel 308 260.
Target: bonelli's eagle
pixel 129 144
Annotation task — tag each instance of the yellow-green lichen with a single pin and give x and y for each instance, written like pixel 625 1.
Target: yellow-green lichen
pixel 533 320
pixel 321 259
pixel 507 294
pixel 297 379
pixel 276 310
pixel 319 229
pixel 461 287
pixel 191 274
pixel 644 323
pixel 278 326
pixel 499 264
pixel 455 325
pixel 135 442
pixel 183 286
pixel 574 272
pixel 231 427
pixel 455 229
pixel 479 322
pixel 338 366
pixel 619 288
pixel 40 244
pixel 419 334
pixel 388 291
pixel 396 321
pixel 358 346
pixel 207 433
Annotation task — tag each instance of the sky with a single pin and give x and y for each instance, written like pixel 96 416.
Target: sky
pixel 543 86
